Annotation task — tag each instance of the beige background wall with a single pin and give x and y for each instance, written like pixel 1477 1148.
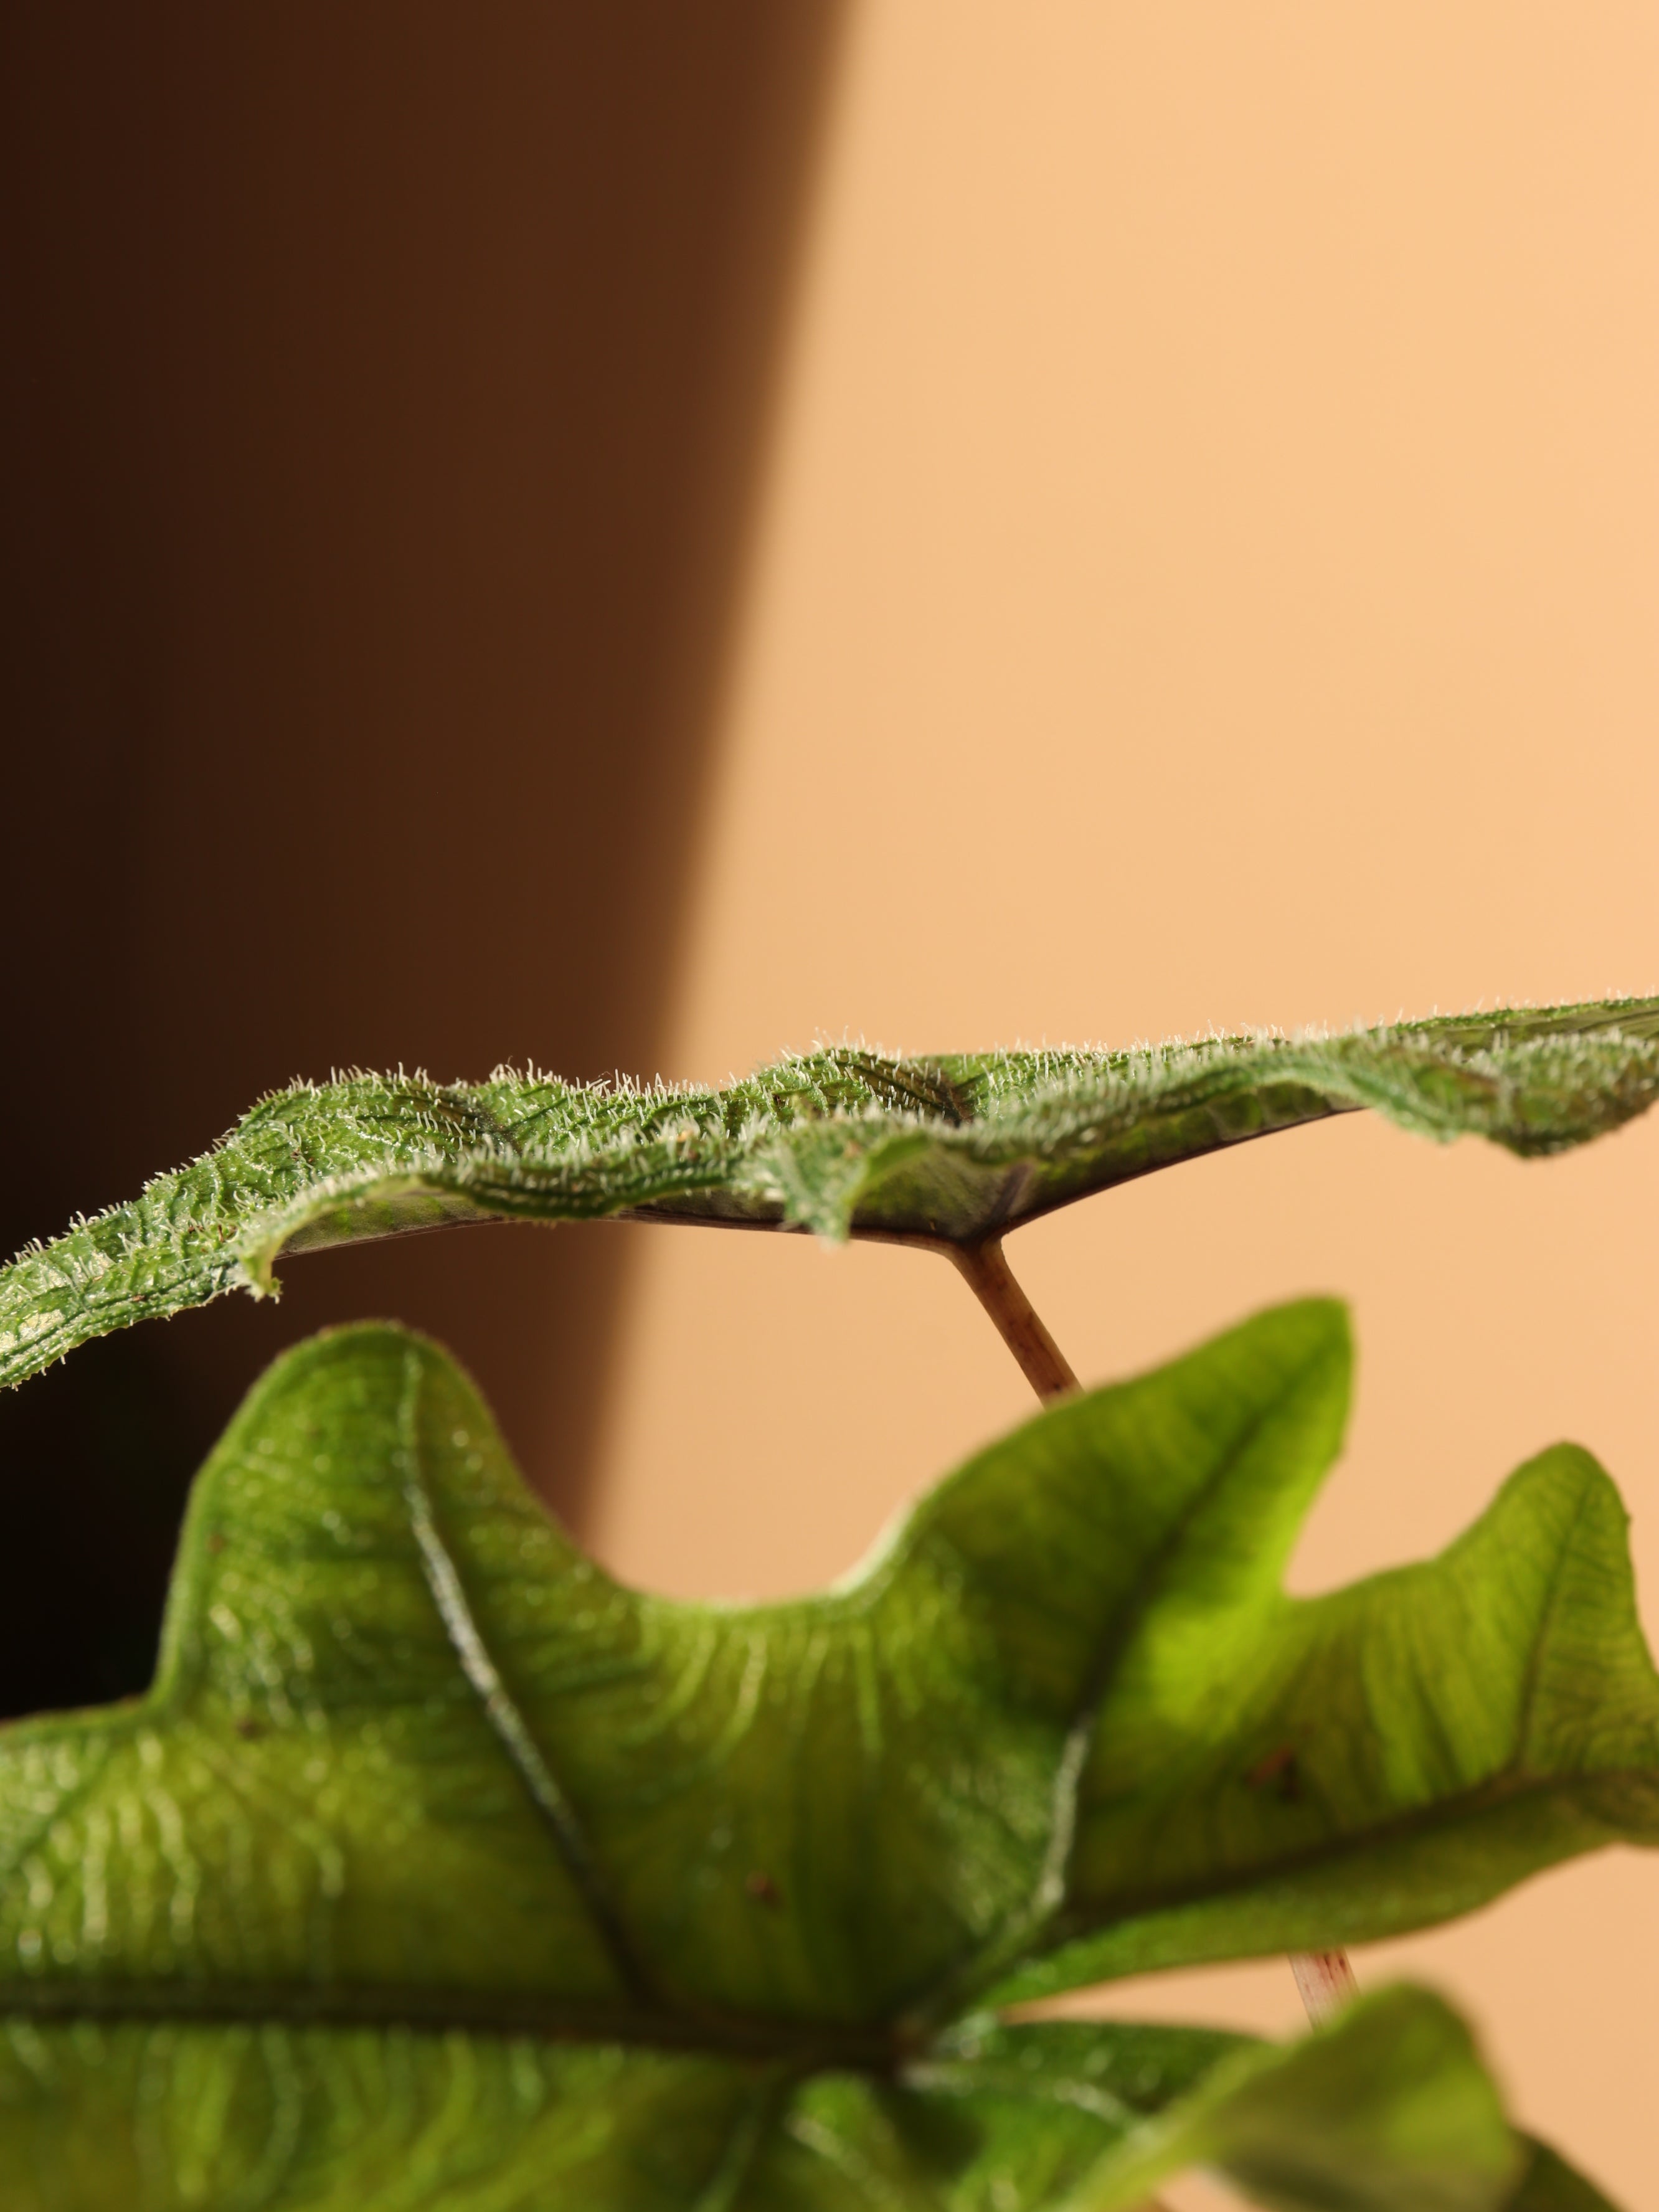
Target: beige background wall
pixel 1207 574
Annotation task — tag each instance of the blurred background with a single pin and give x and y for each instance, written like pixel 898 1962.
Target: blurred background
pixel 635 537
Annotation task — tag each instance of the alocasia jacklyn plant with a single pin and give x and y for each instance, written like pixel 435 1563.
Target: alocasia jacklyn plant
pixel 437 1869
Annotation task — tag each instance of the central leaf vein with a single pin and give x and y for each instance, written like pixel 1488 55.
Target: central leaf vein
pixel 443 1579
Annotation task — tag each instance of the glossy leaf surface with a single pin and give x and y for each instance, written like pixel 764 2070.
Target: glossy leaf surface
pixel 950 1149
pixel 434 1841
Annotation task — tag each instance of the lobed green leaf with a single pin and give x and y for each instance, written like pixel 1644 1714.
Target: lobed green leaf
pixel 948 1150
pixel 439 1868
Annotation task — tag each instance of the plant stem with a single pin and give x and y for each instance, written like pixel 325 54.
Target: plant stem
pixel 1041 1362
pixel 1324 1979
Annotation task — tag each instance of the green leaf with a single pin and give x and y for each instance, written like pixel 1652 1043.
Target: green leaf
pixel 432 1840
pixel 1389 2111
pixel 949 1149
pixel 354 2119
pixel 1548 2184
pixel 1390 2108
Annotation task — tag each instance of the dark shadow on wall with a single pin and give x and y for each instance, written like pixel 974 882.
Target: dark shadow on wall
pixel 383 398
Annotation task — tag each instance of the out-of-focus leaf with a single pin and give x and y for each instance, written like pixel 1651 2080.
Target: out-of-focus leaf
pixel 1548 2184
pixel 1389 2111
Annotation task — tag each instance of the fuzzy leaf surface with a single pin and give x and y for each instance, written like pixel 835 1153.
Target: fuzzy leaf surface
pixel 434 1840
pixel 949 1149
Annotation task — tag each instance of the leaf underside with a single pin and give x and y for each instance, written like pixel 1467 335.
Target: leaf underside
pixel 948 1150
pixel 439 1870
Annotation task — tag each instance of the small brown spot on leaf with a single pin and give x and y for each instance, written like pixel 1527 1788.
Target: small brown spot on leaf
pixel 245 1725
pixel 215 1543
pixel 1278 1771
pixel 762 1889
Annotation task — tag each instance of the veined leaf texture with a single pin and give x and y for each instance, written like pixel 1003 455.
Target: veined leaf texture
pixel 439 1868
pixel 949 1149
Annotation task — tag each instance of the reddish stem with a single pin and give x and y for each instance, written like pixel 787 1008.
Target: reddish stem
pixel 1041 1362
pixel 1325 1981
